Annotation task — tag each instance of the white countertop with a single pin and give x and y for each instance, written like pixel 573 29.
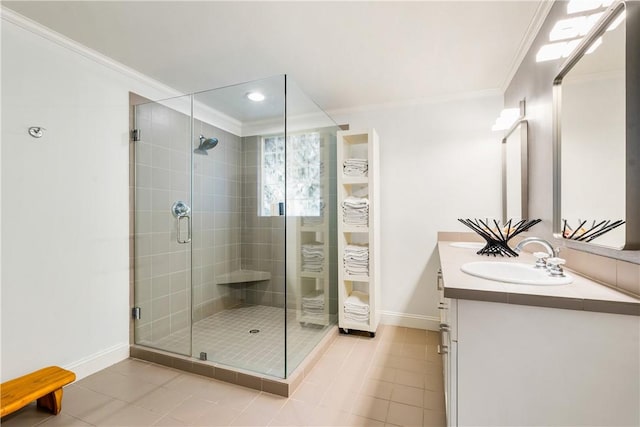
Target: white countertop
pixel 582 294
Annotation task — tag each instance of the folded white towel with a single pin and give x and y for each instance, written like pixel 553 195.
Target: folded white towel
pixel 357 298
pixel 356 307
pixel 357 318
pixel 313 303
pixel 355 211
pixel 356 260
pixel 312 257
pixel 355 167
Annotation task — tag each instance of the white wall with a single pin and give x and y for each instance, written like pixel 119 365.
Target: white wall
pixel 65 231
pixel 439 161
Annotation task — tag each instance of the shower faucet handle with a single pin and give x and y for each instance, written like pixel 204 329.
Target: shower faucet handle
pixel 180 209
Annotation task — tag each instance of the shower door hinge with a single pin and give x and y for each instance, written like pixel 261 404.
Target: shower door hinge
pixel 135 135
pixel 136 313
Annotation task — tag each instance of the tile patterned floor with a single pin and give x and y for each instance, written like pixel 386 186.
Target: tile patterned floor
pixel 226 339
pixel 394 379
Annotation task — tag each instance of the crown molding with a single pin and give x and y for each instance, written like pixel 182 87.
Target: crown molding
pixel 416 102
pixel 157 90
pixel 544 7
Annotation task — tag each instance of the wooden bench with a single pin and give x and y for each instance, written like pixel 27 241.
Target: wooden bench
pixel 45 385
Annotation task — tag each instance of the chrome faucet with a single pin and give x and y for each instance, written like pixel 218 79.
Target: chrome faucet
pixel 552 252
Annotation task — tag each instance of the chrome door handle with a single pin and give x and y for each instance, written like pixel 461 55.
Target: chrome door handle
pixel 181 210
pixel 179 234
pixel 439 280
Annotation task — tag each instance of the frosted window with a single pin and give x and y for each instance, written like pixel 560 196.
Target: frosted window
pixel 303 172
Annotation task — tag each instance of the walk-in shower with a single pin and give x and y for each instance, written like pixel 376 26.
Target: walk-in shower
pixel 221 240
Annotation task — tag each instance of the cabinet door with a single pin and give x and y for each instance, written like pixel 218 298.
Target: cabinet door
pixel 452 385
pixel 522 365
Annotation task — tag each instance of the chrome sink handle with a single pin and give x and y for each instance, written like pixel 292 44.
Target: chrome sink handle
pixel 541 258
pixel 555 268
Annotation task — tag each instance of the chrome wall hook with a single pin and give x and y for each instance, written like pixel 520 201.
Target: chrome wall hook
pixel 36 131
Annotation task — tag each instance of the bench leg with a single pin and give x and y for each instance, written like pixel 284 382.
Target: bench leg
pixel 52 401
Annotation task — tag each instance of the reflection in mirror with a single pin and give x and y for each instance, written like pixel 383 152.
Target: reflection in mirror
pixel 591 136
pixel 514 172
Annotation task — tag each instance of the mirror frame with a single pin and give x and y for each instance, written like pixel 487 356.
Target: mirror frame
pixel 523 126
pixel 632 119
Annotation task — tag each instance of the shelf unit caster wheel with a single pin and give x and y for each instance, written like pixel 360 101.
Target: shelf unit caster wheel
pixel 344 331
pixel 372 334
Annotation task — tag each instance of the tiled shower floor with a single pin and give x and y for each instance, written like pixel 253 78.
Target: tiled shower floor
pixel 226 339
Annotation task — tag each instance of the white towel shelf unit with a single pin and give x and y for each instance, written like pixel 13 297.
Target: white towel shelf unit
pixel 316 230
pixel 359 145
pixel 311 282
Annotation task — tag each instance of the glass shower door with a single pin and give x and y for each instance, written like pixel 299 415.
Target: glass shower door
pixel 162 226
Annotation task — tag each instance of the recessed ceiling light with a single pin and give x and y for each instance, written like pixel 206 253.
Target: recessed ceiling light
pixel 255 96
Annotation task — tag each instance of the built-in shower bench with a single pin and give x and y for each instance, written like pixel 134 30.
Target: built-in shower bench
pixel 243 276
pixel 44 385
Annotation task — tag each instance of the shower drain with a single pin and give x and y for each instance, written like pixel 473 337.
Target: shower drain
pixel 254 331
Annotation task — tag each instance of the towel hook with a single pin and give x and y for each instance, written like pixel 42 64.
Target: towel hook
pixel 36 131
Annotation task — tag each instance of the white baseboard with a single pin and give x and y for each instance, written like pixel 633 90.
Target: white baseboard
pixel 99 361
pixel 410 320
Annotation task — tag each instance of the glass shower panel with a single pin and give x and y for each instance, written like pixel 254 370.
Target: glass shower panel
pixel 162 228
pixel 312 274
pixel 239 228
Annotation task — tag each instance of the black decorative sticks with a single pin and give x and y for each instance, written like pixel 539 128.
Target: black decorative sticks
pixel 498 237
pixel 582 234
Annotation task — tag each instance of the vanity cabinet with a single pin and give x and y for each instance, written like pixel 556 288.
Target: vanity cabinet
pixel 448 348
pixel 523 365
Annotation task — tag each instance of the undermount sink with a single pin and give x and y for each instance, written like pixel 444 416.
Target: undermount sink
pixel 514 272
pixel 468 245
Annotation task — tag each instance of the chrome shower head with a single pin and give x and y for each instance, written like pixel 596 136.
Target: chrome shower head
pixel 205 144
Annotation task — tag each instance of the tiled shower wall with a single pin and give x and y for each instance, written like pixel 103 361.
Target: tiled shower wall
pixel 162 266
pixel 161 270
pixel 263 237
pixel 216 243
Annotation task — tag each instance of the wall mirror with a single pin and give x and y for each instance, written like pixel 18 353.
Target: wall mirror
pixel 597 161
pixel 515 171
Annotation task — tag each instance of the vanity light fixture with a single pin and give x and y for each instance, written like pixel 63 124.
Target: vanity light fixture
pixel 573 27
pixel 255 96
pixel 577 6
pixel 577 26
pixel 507 118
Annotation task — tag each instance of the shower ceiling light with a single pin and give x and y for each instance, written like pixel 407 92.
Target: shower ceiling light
pixel 255 96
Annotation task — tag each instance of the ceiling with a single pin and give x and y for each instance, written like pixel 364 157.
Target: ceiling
pixel 342 54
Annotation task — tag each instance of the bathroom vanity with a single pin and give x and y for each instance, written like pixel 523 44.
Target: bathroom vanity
pixel 536 355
